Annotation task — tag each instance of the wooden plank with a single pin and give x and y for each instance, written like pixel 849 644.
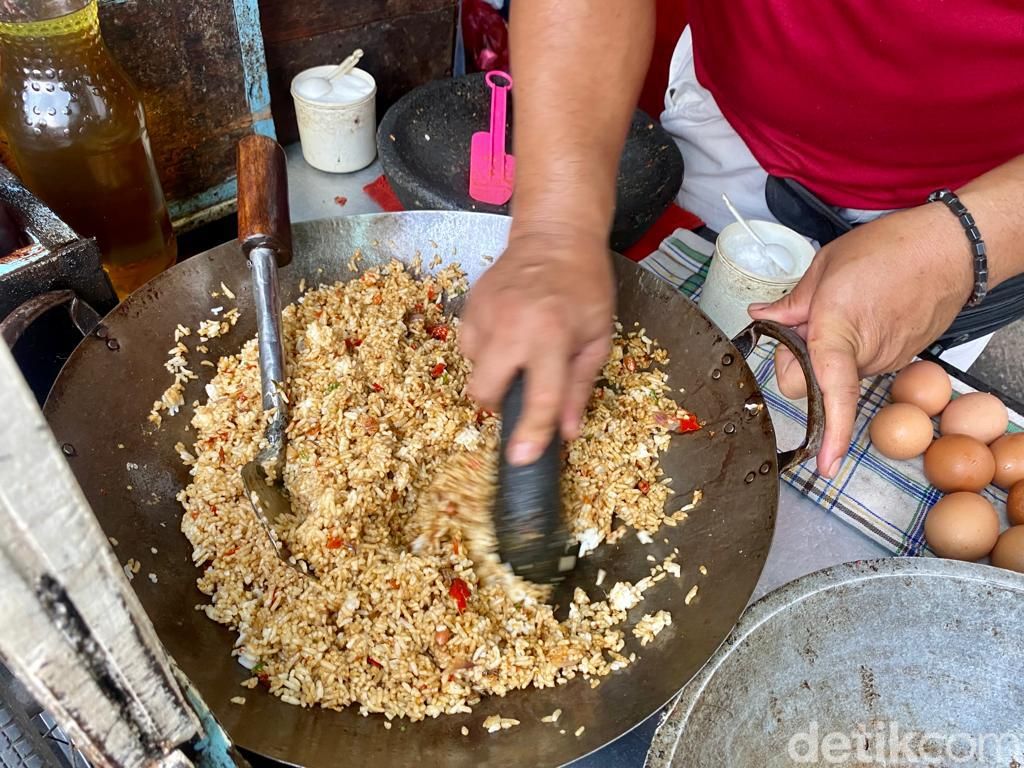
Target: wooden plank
pixel 400 53
pixel 201 71
pixel 185 60
pixel 254 64
pixel 73 630
pixel 290 21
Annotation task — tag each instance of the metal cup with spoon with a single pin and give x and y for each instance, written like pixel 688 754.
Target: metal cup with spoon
pixel 753 262
pixel 776 253
pixel 318 87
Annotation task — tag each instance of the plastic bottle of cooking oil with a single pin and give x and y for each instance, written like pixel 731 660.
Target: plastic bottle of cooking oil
pixel 78 136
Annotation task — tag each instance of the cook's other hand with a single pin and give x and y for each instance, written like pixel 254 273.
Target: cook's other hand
pixel 546 305
pixel 877 296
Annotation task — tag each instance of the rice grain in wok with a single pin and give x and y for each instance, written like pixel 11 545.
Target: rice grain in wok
pixel 380 434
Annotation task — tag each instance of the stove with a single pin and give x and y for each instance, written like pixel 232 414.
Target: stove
pixel 52 285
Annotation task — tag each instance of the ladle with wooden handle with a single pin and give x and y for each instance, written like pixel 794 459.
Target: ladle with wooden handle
pixel 264 232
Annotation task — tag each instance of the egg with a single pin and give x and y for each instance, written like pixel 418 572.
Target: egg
pixel 923 384
pixel 979 414
pixel 901 431
pixel 962 526
pixel 1009 550
pixel 1008 451
pixel 959 463
pixel 1015 504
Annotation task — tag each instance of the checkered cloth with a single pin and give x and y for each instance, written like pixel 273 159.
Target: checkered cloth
pixel 886 500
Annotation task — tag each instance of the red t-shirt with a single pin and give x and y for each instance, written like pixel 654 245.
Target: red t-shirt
pixel 870 103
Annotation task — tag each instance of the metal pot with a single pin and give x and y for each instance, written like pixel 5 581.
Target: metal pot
pixel 131 474
pixel 834 668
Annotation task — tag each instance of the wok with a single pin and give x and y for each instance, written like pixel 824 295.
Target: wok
pixel 131 473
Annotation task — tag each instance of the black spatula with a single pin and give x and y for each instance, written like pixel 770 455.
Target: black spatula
pixel 528 522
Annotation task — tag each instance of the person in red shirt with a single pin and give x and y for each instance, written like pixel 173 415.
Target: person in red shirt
pixel 871 105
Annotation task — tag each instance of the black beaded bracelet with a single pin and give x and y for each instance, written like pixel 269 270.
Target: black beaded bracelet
pixel 978 250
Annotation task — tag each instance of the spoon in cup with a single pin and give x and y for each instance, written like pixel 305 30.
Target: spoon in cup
pixel 777 253
pixel 316 87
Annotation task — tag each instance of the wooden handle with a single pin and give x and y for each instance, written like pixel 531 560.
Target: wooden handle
pixel 263 218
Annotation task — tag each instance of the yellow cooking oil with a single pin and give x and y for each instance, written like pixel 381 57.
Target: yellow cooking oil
pixel 77 132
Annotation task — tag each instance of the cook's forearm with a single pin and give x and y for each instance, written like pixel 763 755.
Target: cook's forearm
pixel 996 200
pixel 578 68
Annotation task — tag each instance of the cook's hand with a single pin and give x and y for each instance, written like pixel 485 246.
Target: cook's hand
pixel 870 301
pixel 545 308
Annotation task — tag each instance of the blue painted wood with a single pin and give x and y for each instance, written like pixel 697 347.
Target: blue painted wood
pixel 189 203
pixel 254 65
pixel 208 200
pixel 214 749
pixel 257 93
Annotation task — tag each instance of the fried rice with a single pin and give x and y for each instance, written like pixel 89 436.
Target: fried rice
pixel 390 471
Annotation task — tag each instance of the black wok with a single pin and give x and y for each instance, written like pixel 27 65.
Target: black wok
pixel 98 409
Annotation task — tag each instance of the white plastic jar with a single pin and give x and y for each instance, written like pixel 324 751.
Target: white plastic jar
pixel 733 284
pixel 337 136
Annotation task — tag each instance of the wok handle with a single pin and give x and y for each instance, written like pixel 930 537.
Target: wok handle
pixel 746 340
pixel 84 317
pixel 263 217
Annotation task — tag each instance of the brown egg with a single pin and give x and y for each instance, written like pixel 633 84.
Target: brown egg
pixel 1009 550
pixel 978 414
pixel 962 526
pixel 923 384
pixel 1015 504
pixel 959 463
pixel 1008 451
pixel 901 431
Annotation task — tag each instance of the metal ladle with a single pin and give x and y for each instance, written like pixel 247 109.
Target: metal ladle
pixel 264 231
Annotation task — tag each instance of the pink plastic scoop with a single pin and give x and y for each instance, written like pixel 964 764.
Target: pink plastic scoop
pixel 491 170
